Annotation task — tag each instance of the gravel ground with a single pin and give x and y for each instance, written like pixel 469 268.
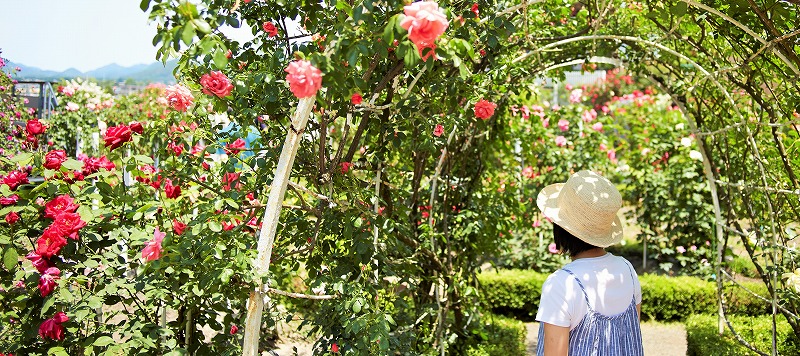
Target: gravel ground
pixel 659 339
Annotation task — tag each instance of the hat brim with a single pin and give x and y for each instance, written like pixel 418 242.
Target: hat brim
pixel 547 201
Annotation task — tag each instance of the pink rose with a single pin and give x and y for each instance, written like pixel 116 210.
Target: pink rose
pixel 72 106
pixel 612 155
pixel 563 125
pixel 235 147
pixel 574 96
pixel 304 79
pixel 216 83
pixel 179 97
pixel 6 201
pixel 537 223
pixel 270 29
pixel 47 282
pixel 589 115
pixel 38 261
pixel 152 250
pixel 484 109
pixel 528 172
pixel 552 248
pixel 52 328
pixel 172 191
pixel 597 126
pixel 438 130
pixel 424 21
pixel 54 159
pixel 234 329
pixel 680 249
pixel 561 141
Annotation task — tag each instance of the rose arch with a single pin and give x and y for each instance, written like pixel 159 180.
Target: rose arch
pixel 358 160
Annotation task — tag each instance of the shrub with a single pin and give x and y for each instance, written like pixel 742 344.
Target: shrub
pixel 743 266
pixel 517 293
pixel 702 337
pixel 502 337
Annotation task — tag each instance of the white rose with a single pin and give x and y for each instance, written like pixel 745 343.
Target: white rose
pixel 793 280
pixel 679 127
pixel 686 142
pixel 696 155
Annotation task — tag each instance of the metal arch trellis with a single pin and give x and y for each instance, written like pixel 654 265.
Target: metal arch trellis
pixel 712 181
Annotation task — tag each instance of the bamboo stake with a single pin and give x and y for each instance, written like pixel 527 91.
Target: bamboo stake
pixel 266 238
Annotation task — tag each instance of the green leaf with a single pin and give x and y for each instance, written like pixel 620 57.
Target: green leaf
pixel 10 258
pixel 357 306
pixel 215 226
pixel 388 31
pixel 679 9
pixel 201 25
pixel 57 351
pixel 103 341
pixel 46 306
pixel 21 157
pixel 188 33
pixel 72 164
pixel 225 276
pixel 220 60
pixel 144 5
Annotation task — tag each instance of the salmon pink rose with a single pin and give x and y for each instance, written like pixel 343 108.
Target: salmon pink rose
pixel 115 136
pixel 231 181
pixel 52 328
pixel 179 97
pixel 152 250
pixel 304 79
pixel 47 282
pixel 235 147
pixel 216 83
pixel 270 29
pixel 484 109
pixel 54 159
pixel 424 21
pixel 438 130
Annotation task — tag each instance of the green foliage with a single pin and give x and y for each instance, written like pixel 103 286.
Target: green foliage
pixel 501 336
pixel 744 266
pixel 702 336
pixel 517 293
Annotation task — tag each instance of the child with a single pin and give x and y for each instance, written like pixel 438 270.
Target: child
pixel 591 306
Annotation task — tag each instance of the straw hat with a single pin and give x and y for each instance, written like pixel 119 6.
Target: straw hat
pixel 586 206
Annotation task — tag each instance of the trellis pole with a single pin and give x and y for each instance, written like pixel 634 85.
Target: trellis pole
pixel 269 225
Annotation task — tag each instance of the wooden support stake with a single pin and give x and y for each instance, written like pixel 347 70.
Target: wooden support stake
pixel 266 238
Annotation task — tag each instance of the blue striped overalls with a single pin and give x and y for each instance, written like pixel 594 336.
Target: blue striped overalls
pixel 601 335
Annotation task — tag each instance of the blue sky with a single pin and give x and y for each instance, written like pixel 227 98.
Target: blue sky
pixel 80 34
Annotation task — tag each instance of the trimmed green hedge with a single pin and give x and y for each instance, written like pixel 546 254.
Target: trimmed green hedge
pixel 702 337
pixel 503 337
pixel 517 293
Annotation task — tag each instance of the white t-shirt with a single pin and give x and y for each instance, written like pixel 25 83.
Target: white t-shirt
pixel 607 280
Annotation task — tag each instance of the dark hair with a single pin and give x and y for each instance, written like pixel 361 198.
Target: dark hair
pixel 568 243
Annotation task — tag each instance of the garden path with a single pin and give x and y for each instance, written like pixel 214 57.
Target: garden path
pixel 659 339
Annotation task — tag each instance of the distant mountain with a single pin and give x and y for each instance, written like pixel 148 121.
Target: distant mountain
pixel 142 73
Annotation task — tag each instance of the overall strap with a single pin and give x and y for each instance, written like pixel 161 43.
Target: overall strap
pixel 633 281
pixel 585 296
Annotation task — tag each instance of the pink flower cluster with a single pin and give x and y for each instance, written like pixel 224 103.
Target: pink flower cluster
pixel 425 22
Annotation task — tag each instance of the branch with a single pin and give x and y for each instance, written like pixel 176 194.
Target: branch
pixel 299 295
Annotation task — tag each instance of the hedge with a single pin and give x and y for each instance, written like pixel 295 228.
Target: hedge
pixel 516 293
pixel 503 337
pixel 702 337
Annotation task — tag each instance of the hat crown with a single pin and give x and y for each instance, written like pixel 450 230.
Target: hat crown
pixel 593 192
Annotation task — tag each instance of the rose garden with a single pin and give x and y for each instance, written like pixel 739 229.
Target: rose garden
pixel 364 173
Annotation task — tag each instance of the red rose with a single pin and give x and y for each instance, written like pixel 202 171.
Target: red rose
pixel 270 29
pixel 52 328
pixel 115 136
pixel 231 181
pixel 235 147
pixel 6 201
pixel 93 164
pixel 49 244
pixel 172 191
pixel 54 159
pixel 47 282
pixel 484 109
pixel 176 148
pixel 234 329
pixel 136 127
pixel 356 99
pixel 41 263
pixel 334 348
pixel 178 227
pixel 12 218
pixel 216 83
pixel 61 204
pixel 15 178
pixel 69 224
pixel 345 167
pixel 206 166
pixel 34 127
